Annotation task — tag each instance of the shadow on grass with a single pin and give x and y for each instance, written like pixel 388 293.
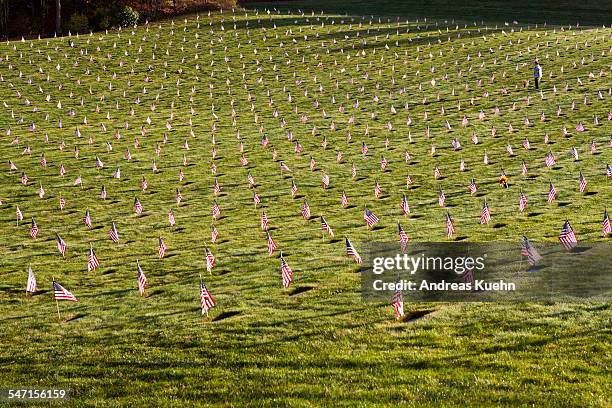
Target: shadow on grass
pixel 226 315
pixel 300 289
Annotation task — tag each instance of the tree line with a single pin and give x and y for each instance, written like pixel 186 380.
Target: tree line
pixel 50 17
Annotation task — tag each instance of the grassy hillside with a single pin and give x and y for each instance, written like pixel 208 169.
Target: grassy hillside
pixel 316 343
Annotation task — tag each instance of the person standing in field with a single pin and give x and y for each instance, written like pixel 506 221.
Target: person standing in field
pixel 537 74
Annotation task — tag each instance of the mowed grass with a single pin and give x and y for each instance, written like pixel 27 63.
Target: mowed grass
pixel 317 343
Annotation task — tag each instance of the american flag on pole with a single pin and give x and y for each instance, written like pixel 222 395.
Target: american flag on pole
pixel 142 279
pixel 326 228
pixel 216 211
pixel 529 251
pixel 214 234
pixel 344 200
pixel 34 229
pixel 113 234
pixel 364 148
pixel 313 163
pixel 523 168
pixel 609 169
pixel 92 260
pixel 171 218
pixel 485 216
pixel 60 293
pixel 137 206
pixel 103 193
pixel 325 180
pixel 284 167
pixel 522 202
pixel 41 192
pixel 19 214
pixel 377 189
pixel 264 221
pixel 256 198
pixel 286 272
pixel 87 219
pixel 403 238
pixel 436 172
pixel 306 210
pixel 217 187
pixel 207 302
pixel 61 244
pixel 606 229
pixel 62 202
pixel 351 251
pixel 271 244
pixel 31 285
pixel 178 197
pixel 383 163
pixel 450 226
pixel 552 193
pixel 210 259
pixel 369 217
pixel 161 248
pixel 353 170
pixel 583 183
pixel 441 198
pixel 404 205
pixel 250 181
pixel 550 159
pixel 293 189
pixel 473 188
pixel 567 236
pixel 398 303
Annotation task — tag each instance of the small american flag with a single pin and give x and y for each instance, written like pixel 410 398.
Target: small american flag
pixel 34 229
pixel 19 214
pixel 441 198
pixel 351 251
pixel 485 216
pixel 31 286
pixel 404 205
pixel 24 178
pixel 552 193
pixel 473 188
pixel 369 217
pixel 144 184
pixel 526 144
pixel 41 192
pixel 398 303
pixel 217 187
pixel 377 190
pixel 306 210
pixel 43 161
pixel 161 248
pixel 256 198
pixel 450 226
pixel 364 148
pixel 243 160
pixel 250 181
pixel 550 159
pixel 403 238
pixel 522 202
pixel 523 168
pixel 60 293
pixel 293 189
pixel 264 221
pixel 286 272
pixel 62 202
pixel 92 261
pixel 344 200
pixel 312 163
pixel 113 234
pixel 99 163
pixel 583 183
pixel 142 279
pixel 216 211
pixel 529 251
pixel 178 197
pixel 383 163
pixel 353 170
pixel 436 172
pixel 468 276
pixel 78 181
pixel 284 167
pixel 171 218
pixel 325 180
pixel 210 260
pixel 87 219
pixel 606 229
pixel 326 228
pixel 609 169
pixel 61 244
pixel 574 153
pixel 567 237
pixel 214 234
pixel 207 302
pixel 137 206
pixel 103 193
pixel 271 244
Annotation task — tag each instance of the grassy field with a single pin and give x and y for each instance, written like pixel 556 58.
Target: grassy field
pixel 317 343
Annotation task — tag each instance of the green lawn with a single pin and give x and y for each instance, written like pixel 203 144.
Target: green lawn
pixel 317 343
